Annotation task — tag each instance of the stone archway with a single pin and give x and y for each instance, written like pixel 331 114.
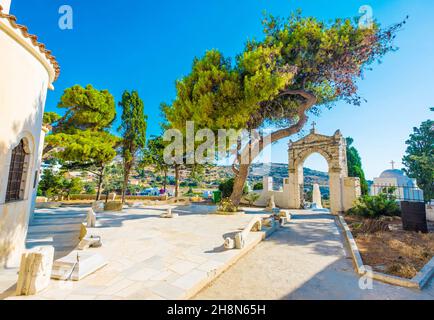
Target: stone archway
pixel 343 190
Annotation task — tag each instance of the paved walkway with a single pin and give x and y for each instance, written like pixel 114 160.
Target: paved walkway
pixel 304 260
pixel 149 257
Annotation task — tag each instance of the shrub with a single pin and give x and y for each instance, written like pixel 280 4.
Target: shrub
pixel 258 186
pixel 227 187
pixel 374 207
pixel 113 206
pixel 226 205
pixel 252 197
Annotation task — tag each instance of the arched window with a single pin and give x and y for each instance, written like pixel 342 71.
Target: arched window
pixel 18 167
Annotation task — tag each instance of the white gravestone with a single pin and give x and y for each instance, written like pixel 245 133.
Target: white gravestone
pixel 316 197
pixel 91 219
pixel 271 204
pixel 35 271
pixel 169 214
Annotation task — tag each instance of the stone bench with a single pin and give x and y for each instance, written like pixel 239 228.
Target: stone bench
pixel 240 238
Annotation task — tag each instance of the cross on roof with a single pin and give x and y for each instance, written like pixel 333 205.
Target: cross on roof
pixel 313 126
pixel 393 164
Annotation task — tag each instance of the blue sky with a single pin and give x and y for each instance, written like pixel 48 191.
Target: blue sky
pixel 147 45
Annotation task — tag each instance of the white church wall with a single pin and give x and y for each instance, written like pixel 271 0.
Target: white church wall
pixel 24 80
pixel 281 198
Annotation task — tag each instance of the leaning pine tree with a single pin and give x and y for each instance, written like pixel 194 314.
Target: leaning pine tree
pixel 133 132
pixel 302 65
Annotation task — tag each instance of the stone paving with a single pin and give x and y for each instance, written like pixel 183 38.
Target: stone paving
pixel 149 257
pixel 304 260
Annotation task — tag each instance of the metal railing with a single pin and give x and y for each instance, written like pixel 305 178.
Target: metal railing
pixel 400 192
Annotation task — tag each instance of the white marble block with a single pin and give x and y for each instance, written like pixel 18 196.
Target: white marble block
pixel 316 197
pixel 240 240
pixel 90 242
pixel 35 271
pixel 77 265
pixel 91 219
pixel 169 214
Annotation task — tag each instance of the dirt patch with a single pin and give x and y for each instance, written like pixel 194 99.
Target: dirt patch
pixel 395 252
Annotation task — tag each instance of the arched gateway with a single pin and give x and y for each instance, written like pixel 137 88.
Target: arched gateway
pixel 343 190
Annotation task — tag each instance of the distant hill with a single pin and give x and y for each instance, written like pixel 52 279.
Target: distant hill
pixel 214 175
pixel 278 171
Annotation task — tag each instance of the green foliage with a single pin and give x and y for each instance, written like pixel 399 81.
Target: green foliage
pixel 374 207
pixel 113 178
pixel 355 165
pixel 86 109
pixel 300 53
pixel 72 186
pixel 258 186
pixel 419 158
pixel 133 132
pixel 85 147
pixel 154 155
pixel 226 187
pixel 190 192
pixel 54 184
pixel 252 197
pixel 80 138
pixel 50 118
pixel 51 184
pixel 89 188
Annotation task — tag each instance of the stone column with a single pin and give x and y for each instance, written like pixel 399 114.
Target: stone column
pixel 352 191
pixel 295 180
pixel 336 196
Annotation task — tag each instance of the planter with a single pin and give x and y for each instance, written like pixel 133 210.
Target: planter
pixel 222 213
pixel 48 205
pixel 113 206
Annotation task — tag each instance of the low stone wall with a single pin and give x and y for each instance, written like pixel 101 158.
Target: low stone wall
pixel 418 282
pixel 89 197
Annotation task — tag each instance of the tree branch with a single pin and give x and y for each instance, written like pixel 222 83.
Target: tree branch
pixel 311 100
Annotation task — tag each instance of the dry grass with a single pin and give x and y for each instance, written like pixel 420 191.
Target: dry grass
pixel 396 252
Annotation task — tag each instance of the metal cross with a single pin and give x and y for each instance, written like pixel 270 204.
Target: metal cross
pixel 393 164
pixel 313 125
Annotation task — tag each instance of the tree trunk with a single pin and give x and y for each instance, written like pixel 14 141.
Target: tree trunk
pixel 176 180
pixel 165 181
pixel 246 158
pixel 127 170
pixel 240 180
pixel 100 177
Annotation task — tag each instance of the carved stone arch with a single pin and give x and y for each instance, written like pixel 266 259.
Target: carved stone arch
pixel 333 149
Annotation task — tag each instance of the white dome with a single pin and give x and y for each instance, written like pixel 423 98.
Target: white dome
pixel 393 173
pixel 399 175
